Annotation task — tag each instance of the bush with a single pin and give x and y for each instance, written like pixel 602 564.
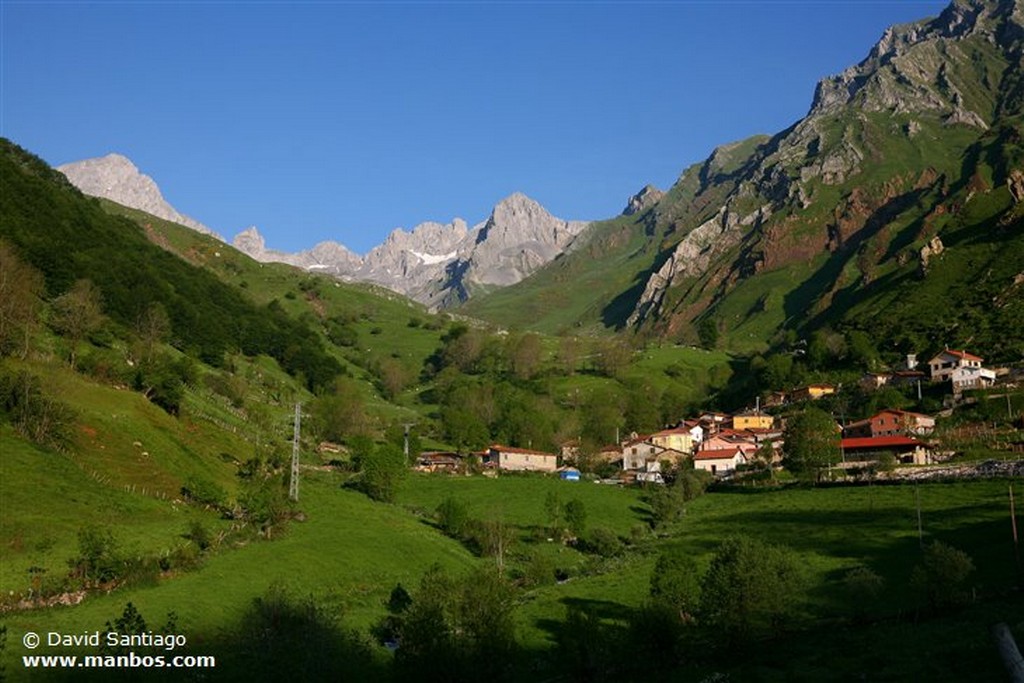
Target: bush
pixel 199 534
pixel 941 576
pixel 750 587
pixel 453 517
pixel 282 637
pixel 33 412
pixel 602 541
pixel 383 468
pixel 539 570
pixel 99 559
pixel 575 514
pixel 675 582
pixel 203 492
pixel 863 586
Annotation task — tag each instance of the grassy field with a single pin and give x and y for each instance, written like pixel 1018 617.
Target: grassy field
pixel 349 552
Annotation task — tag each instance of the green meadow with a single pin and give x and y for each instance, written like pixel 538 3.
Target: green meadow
pixel 349 552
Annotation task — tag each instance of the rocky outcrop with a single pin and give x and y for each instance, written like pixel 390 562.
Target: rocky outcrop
pixel 116 178
pixel 923 76
pixel 642 200
pixel 908 70
pixel 327 257
pixel 1015 182
pixel 517 238
pixel 694 255
pixel 441 264
pixel 934 248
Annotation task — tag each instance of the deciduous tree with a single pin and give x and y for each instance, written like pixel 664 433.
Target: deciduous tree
pixel 21 289
pixel 749 588
pixel 811 444
pixel 78 312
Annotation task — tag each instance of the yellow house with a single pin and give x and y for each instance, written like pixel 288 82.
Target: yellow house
pixel 752 420
pixel 677 439
pixel 813 392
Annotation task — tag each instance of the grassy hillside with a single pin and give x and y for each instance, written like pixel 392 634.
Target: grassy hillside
pixel 350 552
pixel 594 287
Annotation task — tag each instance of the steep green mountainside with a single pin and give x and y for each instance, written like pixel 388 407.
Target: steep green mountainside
pixel 594 287
pixel 362 326
pixel 67 238
pixel 833 222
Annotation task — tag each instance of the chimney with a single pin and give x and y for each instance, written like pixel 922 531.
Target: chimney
pixel 911 361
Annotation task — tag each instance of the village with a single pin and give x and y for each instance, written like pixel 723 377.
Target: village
pixel 728 445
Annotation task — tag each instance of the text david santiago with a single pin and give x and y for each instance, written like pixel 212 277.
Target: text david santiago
pixel 167 641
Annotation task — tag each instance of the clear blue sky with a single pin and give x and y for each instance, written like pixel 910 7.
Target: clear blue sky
pixel 344 120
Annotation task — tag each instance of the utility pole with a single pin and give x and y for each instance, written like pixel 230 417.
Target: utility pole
pixel 405 450
pixel 293 487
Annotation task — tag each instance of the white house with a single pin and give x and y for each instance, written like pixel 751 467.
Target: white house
pixel 942 366
pixel 971 378
pixel 719 461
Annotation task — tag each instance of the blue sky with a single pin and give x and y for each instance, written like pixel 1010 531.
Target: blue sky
pixel 345 120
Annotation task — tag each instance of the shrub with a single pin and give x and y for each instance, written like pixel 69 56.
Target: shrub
pixel 33 412
pixel 99 559
pixel 749 588
pixel 602 541
pixel 863 586
pixel 941 576
pixel 453 517
pixel 199 534
pixel 204 492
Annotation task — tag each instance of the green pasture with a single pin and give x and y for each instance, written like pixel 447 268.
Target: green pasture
pixel 349 551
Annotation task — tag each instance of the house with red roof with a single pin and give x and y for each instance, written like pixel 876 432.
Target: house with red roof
pixel 943 365
pixel 892 423
pixel 905 448
pixel 720 462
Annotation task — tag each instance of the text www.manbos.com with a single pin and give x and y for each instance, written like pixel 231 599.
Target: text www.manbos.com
pixel 128 661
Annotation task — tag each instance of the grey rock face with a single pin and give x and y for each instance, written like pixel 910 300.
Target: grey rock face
pixel 916 69
pixel 519 237
pixel 116 178
pixel 695 254
pixel 442 264
pixel 642 200
pixel 906 71
pixel 329 258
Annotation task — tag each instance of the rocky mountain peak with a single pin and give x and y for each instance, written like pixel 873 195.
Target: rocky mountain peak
pixel 116 178
pixel 906 69
pixel 249 240
pixel 643 200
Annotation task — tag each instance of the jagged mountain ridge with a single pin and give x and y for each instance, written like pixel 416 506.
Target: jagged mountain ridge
pixel 442 265
pixel 791 231
pixel 437 264
pixel 116 178
pixel 871 133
